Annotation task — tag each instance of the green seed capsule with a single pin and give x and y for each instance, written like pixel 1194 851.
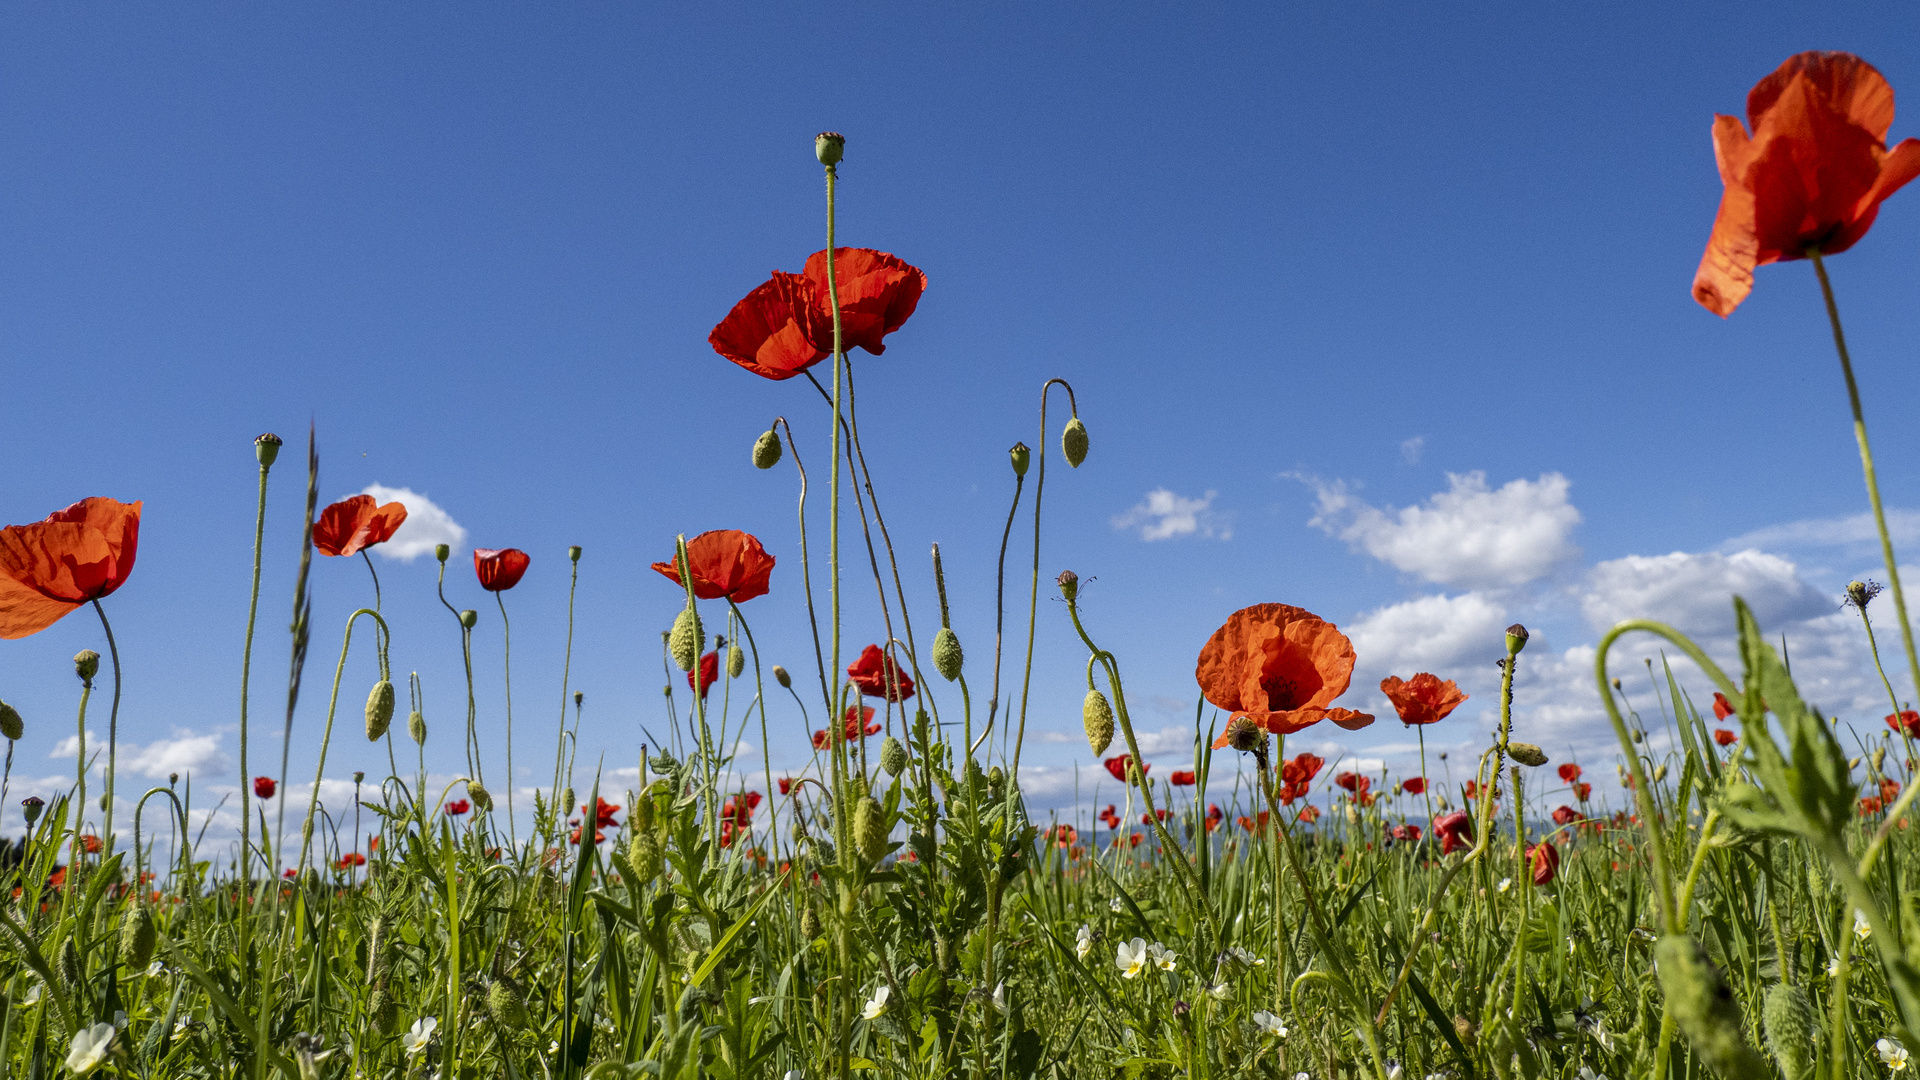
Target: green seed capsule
pixel 504 1004
pixel 1792 1028
pixel 137 937
pixel 766 450
pixel 10 723
pixel 1097 712
pixel 947 657
pixel 687 639
pixel 893 756
pixel 1527 754
pixel 1073 442
pixel 379 710
pixel 1705 1008
pixel 870 829
pixel 736 661
pixel 417 727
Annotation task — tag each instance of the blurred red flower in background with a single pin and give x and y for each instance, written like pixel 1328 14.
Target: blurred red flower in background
pixel 1455 831
pixel 1182 778
pixel 264 787
pixel 458 807
pixel 1415 786
pixel 1117 766
pixel 1907 721
pixel 1546 862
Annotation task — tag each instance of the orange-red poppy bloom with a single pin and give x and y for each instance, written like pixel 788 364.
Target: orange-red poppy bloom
pixel 1117 766
pixel 76 555
pixel 1406 833
pixel 1455 831
pixel 1423 699
pixel 709 670
pixel 1722 708
pixel 1279 666
pixel 1889 791
pixel 1546 862
pixel 1415 786
pixel 500 570
pixel 786 785
pixel 1724 737
pixel 877 292
pixel 785 326
pixel 1569 772
pixel 351 525
pixel 460 806
pixel 1870 805
pixel 264 787
pixel 350 860
pixel 878 675
pixel 724 563
pixel 1812 174
pixel 1182 778
pixel 1581 791
pixel 1564 815
pixel 1908 721
pixel 603 816
pixel 1308 814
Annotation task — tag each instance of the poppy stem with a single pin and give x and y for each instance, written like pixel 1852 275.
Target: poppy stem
pixel 113 727
pixel 376 578
pixel 1866 465
pixel 326 735
pixel 246 672
pixel 843 941
pixel 566 675
pixel 506 631
pixel 1033 599
pixel 999 618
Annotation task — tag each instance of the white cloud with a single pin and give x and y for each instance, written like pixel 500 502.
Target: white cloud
pixel 1430 633
pixel 1469 535
pixel 1411 449
pixel 1855 531
pixel 1694 591
pixel 187 753
pixel 1163 515
pixel 426 526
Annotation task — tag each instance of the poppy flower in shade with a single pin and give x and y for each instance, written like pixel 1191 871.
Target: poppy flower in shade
pixel 458 807
pixel 1117 766
pixel 77 555
pixel 1181 778
pixel 878 675
pixel 356 523
pixel 1581 791
pixel 1724 737
pixel 774 331
pixel 1279 666
pixel 1423 699
pixel 1455 831
pixel 709 670
pixel 500 570
pixel 264 787
pixel 877 291
pixel 1812 174
pixel 1565 815
pixel 1870 805
pixel 724 563
pixel 91 843
pixel 1546 862
pixel 1569 772
pixel 1722 708
pixel 1415 786
pixel 1907 721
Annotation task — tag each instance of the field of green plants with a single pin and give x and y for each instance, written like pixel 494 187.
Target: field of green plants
pixel 1730 897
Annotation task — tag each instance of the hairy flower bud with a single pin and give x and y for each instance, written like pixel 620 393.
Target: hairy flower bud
pixel 1097 713
pixel 384 1011
pixel 1879 752
pixel 505 1003
pixel 379 710
pixel 86 664
pixel 566 799
pixel 69 967
pixel 893 756
pixel 947 657
pixel 1660 772
pixel 809 923
pixel 688 638
pixel 417 728
pixel 870 829
pixel 829 147
pixel 766 450
pixel 267 448
pixel 644 854
pixel 10 723
pixel 736 661
pixel 780 676
pixel 482 798
pixel 1526 754
pixel 1705 1008
pixel 1021 457
pixel 1792 1029
pixel 1073 442
pixel 1516 639
pixel 137 937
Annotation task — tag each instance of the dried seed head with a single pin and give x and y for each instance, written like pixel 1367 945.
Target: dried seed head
pixel 780 676
pixel 947 657
pixel 1516 639
pixel 736 661
pixel 1526 754
pixel 10 723
pixel 1021 457
pixel 687 639
pixel 870 829
pixel 1097 712
pixel 1073 442
pixel 893 756
pixel 1244 735
pixel 766 450
pixel 829 147
pixel 379 710
pixel 86 664
pixel 267 448
pixel 482 798
pixel 30 808
pixel 573 553
pixel 417 728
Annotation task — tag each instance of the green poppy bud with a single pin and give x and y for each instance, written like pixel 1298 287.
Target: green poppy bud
pixel 870 829
pixel 377 942
pixel 893 756
pixel 86 664
pixel 482 798
pixel 687 639
pixel 10 723
pixel 947 657
pixel 645 855
pixel 1073 442
pixel 68 967
pixel 417 728
pixel 1526 754
pixel 829 146
pixel 736 661
pixel 1704 1005
pixel 766 450
pixel 469 618
pixel 505 1005
pixel 383 1011
pixel 1792 1029
pixel 441 551
pixel 137 937
pixel 1097 712
pixel 809 923
pixel 573 553
pixel 379 710
pixel 1021 457
pixel 780 676
pixel 267 448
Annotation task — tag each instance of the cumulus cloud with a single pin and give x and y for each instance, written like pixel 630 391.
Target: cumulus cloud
pixel 1469 536
pixel 1694 591
pixel 426 526
pixel 187 753
pixel 1163 515
pixel 1856 531
pixel 1430 633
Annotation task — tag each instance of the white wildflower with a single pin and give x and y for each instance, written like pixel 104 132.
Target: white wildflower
pixel 1506 883
pixel 1862 929
pixel 419 1035
pixel 1114 905
pixel 877 1004
pixel 1891 1053
pixel 1270 1024
pixel 1083 942
pixel 156 969
pixel 1000 996
pixel 1833 968
pixel 33 995
pixel 1162 957
pixel 91 1045
pixel 1131 957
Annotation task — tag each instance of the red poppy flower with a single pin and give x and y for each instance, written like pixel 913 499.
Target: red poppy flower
pixel 91 843
pixel 1581 791
pixel 76 555
pixel 373 843
pixel 1353 782
pixel 724 563
pixel 264 787
pixel 879 675
pixel 500 570
pixel 1813 173
pixel 355 523
pixel 773 331
pixel 1423 699
pixel 1406 833
pixel 1907 721
pixel 1308 814
pixel 1147 819
pixel 856 716
pixel 350 860
pixel 1569 772
pixel 1546 862
pixel 1281 667
pixel 737 812
pixel 604 817
pixel 460 806
pixel 1302 769
pixel 1889 791
pixel 820 739
pixel 709 670
pixel 1133 839
pixel 878 293
pixel 786 785
pixel 1565 815
pixel 1415 786
pixel 1455 831
pixel 1181 778
pixel 1869 805
pixel 574 837
pixel 1722 708
pixel 1117 765
pixel 1724 737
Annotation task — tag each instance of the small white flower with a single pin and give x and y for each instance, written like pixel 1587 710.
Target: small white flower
pixel 1131 957
pixel 156 969
pixel 1000 996
pixel 120 1019
pixel 1506 883
pixel 1270 1024
pixel 877 1004
pixel 1114 905
pixel 1083 942
pixel 793 1074
pixel 1162 957
pixel 1304 1076
pixel 1833 968
pixel 1244 958
pixel 1891 1053
pixel 90 1048
pixel 33 995
pixel 1588 1074
pixel 1569 946
pixel 417 1036
pixel 1862 929
pixel 1395 1072
pixel 1220 991
pixel 553 1046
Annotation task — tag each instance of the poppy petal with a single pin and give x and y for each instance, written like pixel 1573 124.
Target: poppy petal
pixel 771 331
pixel 25 611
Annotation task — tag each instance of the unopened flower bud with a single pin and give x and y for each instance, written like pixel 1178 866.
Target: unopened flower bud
pixel 383 1010
pixel 1244 735
pixel 30 808
pixel 947 657
pixel 441 551
pixel 893 756
pixel 809 923
pixel 766 450
pixel 482 798
pixel 173 778
pixel 379 710
pixel 86 664
pixel 10 723
pixel 1516 639
pixel 645 855
pixel 573 553
pixel 504 1004
pixel 736 661
pixel 566 799
pixel 1021 457
pixel 1660 773
pixel 1526 754
pixel 1853 763
pixel 780 676
pixel 469 618
pixel 828 146
pixel 687 638
pixel 1700 999
pixel 1069 583
pixel 137 937
pixel 417 728
pixel 267 448
pixel 870 829
pixel 1792 1028
pixel 1879 756
pixel 1616 686
pixel 1073 442
pixel 359 775
pixel 1097 712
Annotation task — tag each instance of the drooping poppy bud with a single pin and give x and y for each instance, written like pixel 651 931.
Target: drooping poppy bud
pixel 893 756
pixel 780 676
pixel 379 710
pixel 766 450
pixel 505 1005
pixel 947 657
pixel 1073 442
pixel 417 728
pixel 86 664
pixel 736 661
pixel 870 829
pixel 687 639
pixel 829 147
pixel 482 798
pixel 267 449
pixel 1792 1028
pixel 1097 713
pixel 10 723
pixel 1526 754
pixel 137 937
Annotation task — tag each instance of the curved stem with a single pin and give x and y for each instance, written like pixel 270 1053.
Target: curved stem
pixel 113 728
pixel 1033 600
pixel 999 617
pixel 566 675
pixel 376 577
pixel 326 736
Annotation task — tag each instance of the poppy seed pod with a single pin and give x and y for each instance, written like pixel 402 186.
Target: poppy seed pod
pixel 1244 735
pixel 441 551
pixel 86 664
pixel 1526 754
pixel 870 829
pixel 1792 1028
pixel 736 661
pixel 504 1004
pixel 766 450
pixel 267 448
pixel 1073 442
pixel 947 657
pixel 687 639
pixel 573 553
pixel 780 676
pixel 1069 583
pixel 1097 713
pixel 137 937
pixel 30 808
pixel 417 728
pixel 893 756
pixel 1021 458
pixel 469 618
pixel 379 710
pixel 482 798
pixel 1516 639
pixel 10 723
pixel 829 147
pixel 1705 1007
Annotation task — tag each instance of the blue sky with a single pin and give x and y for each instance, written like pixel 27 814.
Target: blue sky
pixel 1307 268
